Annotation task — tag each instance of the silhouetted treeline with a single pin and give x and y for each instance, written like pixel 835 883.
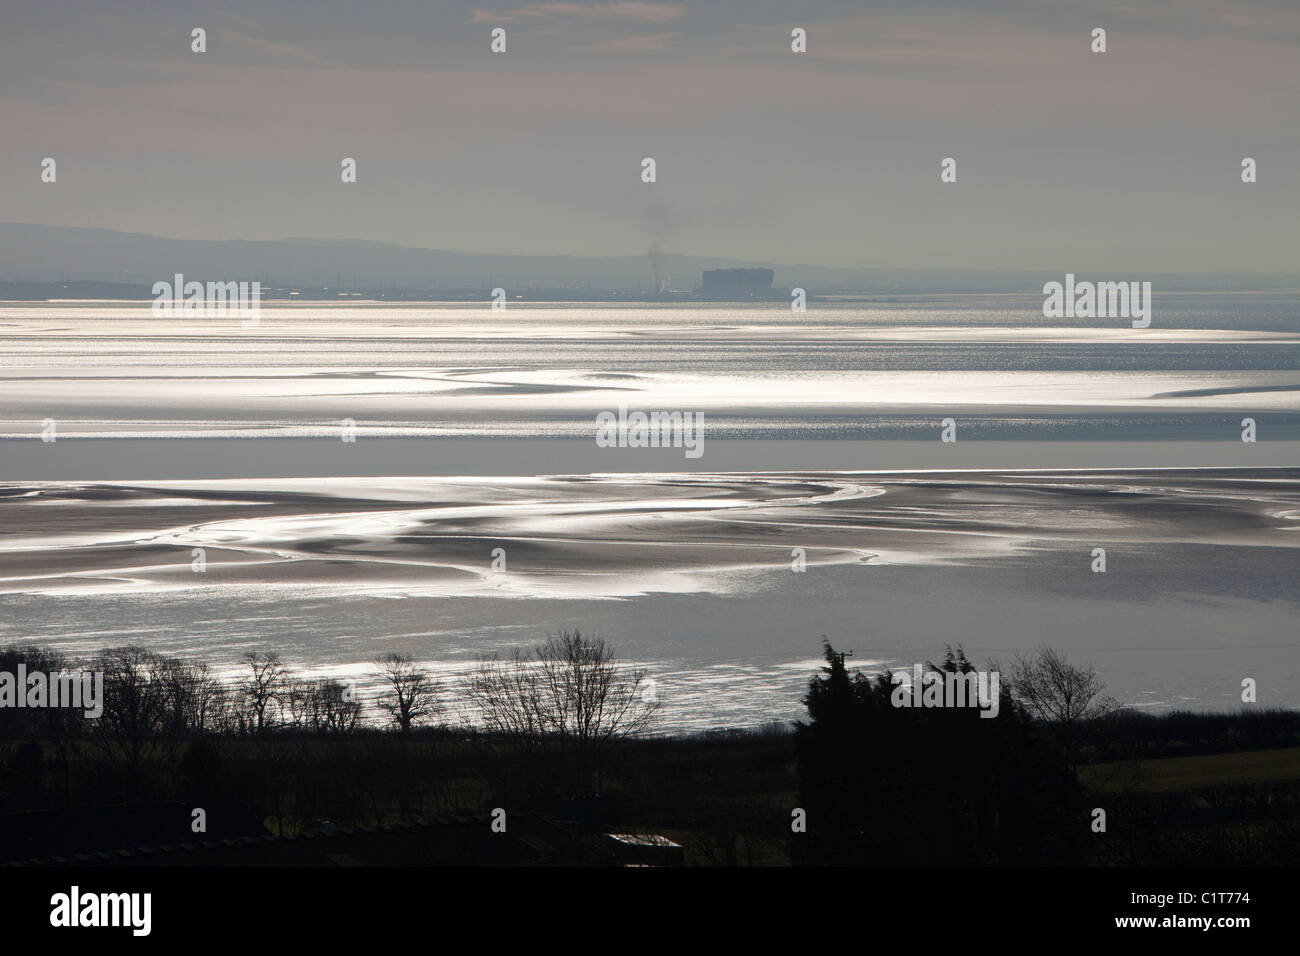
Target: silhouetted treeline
pixel 863 780
pixel 1132 734
pixel 294 752
pixel 899 785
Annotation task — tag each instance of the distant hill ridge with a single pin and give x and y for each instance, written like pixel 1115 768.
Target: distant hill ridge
pixel 32 253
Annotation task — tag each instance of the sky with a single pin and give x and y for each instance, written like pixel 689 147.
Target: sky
pixel 1067 160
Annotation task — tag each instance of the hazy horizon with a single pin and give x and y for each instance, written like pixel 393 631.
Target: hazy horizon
pixel 37 254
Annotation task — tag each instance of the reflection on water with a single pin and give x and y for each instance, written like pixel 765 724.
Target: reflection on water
pixel 692 576
pixel 839 370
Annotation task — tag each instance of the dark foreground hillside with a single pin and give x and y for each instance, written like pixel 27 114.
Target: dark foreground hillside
pixel 861 781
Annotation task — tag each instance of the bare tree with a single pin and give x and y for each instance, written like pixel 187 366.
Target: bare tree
pixel 505 695
pixel 337 708
pixel 265 689
pixel 323 706
pixel 411 695
pixel 211 704
pixel 137 725
pixel 195 699
pixel 1069 700
pixel 569 689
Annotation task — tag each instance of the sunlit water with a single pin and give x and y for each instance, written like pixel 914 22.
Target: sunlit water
pixel 691 576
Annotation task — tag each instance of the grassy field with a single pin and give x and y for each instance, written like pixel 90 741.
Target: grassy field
pixel 1195 773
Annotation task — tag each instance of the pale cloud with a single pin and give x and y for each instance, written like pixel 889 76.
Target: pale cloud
pixel 272 49
pixel 653 41
pixel 627 10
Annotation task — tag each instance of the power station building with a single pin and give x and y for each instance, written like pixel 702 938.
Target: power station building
pixel 736 283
